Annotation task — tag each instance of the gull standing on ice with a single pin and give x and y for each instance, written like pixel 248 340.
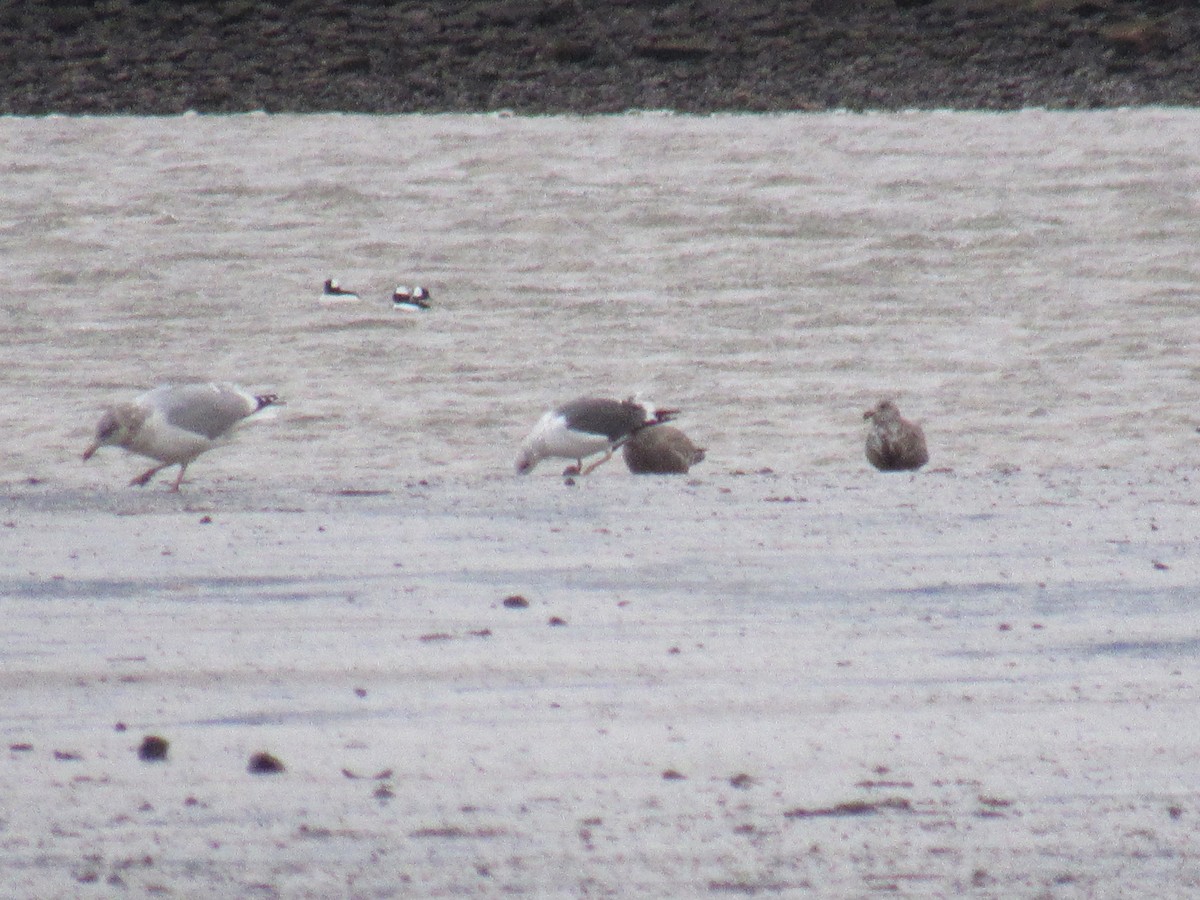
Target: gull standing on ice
pixel 894 444
pixel 661 450
pixel 175 423
pixel 334 292
pixel 586 426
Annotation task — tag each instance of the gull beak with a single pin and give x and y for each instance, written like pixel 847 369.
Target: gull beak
pixel 663 415
pixel 525 461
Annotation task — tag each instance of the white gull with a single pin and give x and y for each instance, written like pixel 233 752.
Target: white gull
pixel 175 423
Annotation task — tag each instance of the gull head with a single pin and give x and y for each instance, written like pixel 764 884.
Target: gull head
pixel 882 411
pixel 526 460
pixel 114 429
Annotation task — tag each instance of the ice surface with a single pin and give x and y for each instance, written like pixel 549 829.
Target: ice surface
pixel 979 679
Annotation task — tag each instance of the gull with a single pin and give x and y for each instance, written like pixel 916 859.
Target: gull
pixel 894 444
pixel 660 450
pixel 585 426
pixel 175 423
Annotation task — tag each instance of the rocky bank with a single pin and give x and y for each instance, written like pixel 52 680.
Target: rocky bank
pixel 551 56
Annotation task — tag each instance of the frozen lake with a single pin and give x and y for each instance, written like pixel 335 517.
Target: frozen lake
pixel 783 674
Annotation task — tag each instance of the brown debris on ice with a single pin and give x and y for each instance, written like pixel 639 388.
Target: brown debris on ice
pixel 153 748
pixel 264 764
pixel 851 808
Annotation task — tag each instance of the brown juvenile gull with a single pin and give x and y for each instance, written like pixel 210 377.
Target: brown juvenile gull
pixel 660 450
pixel 586 426
pixel 175 423
pixel 894 444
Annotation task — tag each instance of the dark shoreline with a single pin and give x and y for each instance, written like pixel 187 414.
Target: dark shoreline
pixel 554 56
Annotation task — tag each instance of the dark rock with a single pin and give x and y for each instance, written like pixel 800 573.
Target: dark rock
pixel 570 51
pixel 553 13
pixel 264 764
pixel 549 56
pixel 672 51
pixel 153 748
pixel 1135 38
pixel 353 64
pixel 67 19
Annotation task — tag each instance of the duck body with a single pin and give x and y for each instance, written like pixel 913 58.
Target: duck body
pixel 333 292
pixel 414 299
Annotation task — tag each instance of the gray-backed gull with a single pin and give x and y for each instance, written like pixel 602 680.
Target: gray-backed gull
pixel 175 423
pixel 586 426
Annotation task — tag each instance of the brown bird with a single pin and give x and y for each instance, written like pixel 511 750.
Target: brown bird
pixel 894 444
pixel 661 450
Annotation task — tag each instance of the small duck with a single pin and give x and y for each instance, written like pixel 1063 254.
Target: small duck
pixel 414 298
pixel 334 292
pixel 894 444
